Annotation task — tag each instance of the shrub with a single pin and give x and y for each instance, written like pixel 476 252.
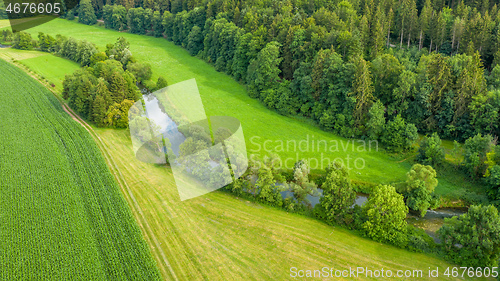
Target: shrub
pixel 431 152
pixel 419 241
pixel 385 213
pixel 472 239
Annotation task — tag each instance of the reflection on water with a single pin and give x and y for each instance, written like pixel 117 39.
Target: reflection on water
pixel 361 199
pixel 314 200
pixel 433 220
pixel 167 126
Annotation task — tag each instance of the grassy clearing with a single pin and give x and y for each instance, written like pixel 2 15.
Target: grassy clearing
pixel 52 68
pixel 62 214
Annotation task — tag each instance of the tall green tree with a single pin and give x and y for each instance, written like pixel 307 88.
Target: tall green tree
pixel 362 89
pixel 431 151
pixel 338 194
pixel 86 13
pixel 23 41
pixel 419 187
pixel 425 21
pixel 376 121
pixel 264 70
pixel 386 212
pixel 472 239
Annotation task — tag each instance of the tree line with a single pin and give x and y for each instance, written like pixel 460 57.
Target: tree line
pixel 106 87
pixel 469 240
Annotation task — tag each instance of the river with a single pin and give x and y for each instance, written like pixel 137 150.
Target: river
pixel 431 222
pixel 167 126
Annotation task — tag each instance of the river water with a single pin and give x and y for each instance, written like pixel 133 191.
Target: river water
pixel 167 126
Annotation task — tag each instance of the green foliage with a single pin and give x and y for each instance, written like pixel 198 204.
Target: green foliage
pixel 398 135
pixel 267 190
pixel 107 80
pixel 85 52
pixel 386 71
pixel 338 194
pixel 98 57
pixel 86 14
pixel 472 239
pixel 161 83
pixel 419 241
pixel 421 174
pixel 136 20
pixel 475 150
pixel 302 186
pixel 195 41
pixel 70 15
pixel 386 212
pixel 157 22
pixel 117 115
pixel 362 89
pixel 419 187
pixel 431 152
pixel 23 41
pixel 376 121
pixel 7 35
pixel 141 71
pixel 263 72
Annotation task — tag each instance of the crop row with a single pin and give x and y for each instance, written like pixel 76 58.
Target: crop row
pixel 62 216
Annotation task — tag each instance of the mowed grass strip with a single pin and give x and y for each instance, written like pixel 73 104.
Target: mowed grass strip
pixel 222 237
pixel 62 215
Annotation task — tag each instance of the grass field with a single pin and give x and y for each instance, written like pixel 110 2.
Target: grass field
pixel 50 67
pixel 62 215
pixel 222 237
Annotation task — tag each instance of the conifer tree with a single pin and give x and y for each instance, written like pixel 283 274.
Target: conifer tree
pixel 86 14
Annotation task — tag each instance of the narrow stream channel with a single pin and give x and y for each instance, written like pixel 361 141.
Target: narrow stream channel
pixel 167 126
pixel 431 222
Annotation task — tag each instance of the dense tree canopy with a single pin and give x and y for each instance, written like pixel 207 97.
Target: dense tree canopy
pixel 419 187
pixel 334 62
pixel 472 239
pixel 386 216
pixel 338 194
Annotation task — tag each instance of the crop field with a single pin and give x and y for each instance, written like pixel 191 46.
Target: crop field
pixel 62 215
